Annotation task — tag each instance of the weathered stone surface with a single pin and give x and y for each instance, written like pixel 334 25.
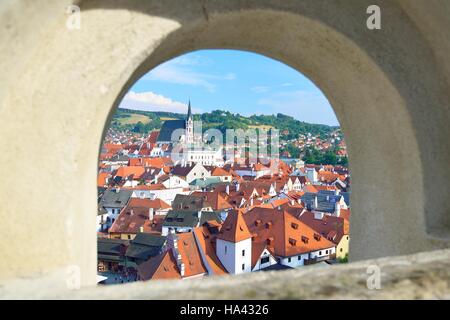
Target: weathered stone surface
pixel 390 89
pixel 420 276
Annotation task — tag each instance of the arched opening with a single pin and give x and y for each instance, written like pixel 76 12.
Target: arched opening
pixel 391 105
pixel 259 153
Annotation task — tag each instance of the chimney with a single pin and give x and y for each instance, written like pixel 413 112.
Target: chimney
pixel 150 214
pixel 237 187
pixel 318 215
pixel 337 209
pixel 316 204
pixel 141 229
pixel 182 269
pixel 132 212
pixel 227 189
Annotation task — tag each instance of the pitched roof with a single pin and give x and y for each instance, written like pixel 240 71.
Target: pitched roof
pixel 162 266
pixel 234 228
pixel 127 171
pixel 284 234
pixel 217 171
pixel 102 179
pixel 184 218
pixel 190 254
pixel 115 198
pixel 168 127
pixel 215 199
pixel 331 227
pixel 190 202
pixel 310 188
pixel 145 245
pixel 148 203
pixel 136 214
pixel 206 239
pixel 182 171
pixel 325 201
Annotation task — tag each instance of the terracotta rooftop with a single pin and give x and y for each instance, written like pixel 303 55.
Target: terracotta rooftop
pixel 234 228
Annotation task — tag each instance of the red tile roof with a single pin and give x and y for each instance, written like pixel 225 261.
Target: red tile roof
pixel 190 255
pixel 234 228
pixel 163 266
pixel 284 234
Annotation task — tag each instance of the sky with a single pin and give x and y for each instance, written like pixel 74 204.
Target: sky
pixel 236 81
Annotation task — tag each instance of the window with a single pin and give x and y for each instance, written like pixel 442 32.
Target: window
pixel 289 259
pixel 320 253
pixel 265 260
pixel 299 258
pixel 129 237
pixel 243 266
pixel 225 249
pixel 243 253
pixel 341 249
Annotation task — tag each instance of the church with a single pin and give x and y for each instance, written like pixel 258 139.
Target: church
pixel 174 131
pixel 181 133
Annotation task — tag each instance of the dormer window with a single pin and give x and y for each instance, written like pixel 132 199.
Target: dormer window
pixel 294 226
pixel 305 239
pixel 292 241
pixel 317 236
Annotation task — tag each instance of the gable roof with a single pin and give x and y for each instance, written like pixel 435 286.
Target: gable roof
pixel 115 198
pixel 168 127
pixel 162 266
pixel 126 171
pixel 215 199
pixel 190 254
pixel 217 171
pixel 331 227
pixel 148 203
pixel 284 234
pixel 145 245
pixel 190 202
pixel 234 228
pixel 206 240
pixel 185 218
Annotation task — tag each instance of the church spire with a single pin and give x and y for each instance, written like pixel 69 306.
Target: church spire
pixel 189 114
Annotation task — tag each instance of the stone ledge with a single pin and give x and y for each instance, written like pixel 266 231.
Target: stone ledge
pixel 420 276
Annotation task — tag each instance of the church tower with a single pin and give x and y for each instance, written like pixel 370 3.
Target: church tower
pixel 234 244
pixel 189 125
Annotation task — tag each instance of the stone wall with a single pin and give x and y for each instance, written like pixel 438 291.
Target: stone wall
pixel 419 276
pixel 59 87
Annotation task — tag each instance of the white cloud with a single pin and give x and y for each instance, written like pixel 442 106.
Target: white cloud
pixel 286 84
pixel 178 73
pixel 306 106
pixel 260 89
pixel 150 101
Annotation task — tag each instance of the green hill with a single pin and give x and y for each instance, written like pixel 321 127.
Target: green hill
pixel 289 128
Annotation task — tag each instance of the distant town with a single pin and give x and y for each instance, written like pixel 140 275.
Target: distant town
pixel 201 213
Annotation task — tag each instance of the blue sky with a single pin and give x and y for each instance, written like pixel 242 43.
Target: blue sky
pixel 237 81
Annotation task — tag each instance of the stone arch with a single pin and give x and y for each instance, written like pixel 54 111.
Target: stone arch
pixel 60 87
